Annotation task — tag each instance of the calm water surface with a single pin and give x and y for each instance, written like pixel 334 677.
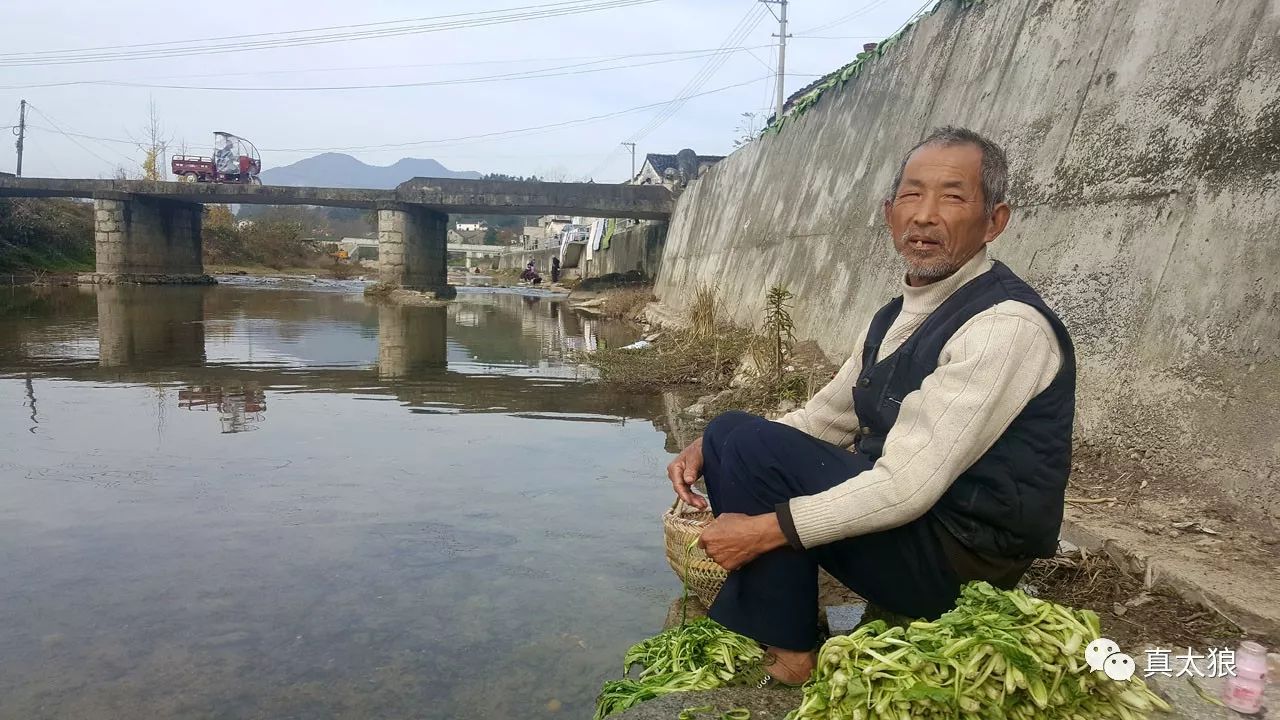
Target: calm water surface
pixel 249 502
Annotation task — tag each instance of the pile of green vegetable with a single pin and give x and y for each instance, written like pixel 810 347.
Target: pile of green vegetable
pixel 697 655
pixel 996 655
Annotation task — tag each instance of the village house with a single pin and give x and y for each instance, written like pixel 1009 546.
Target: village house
pixel 663 169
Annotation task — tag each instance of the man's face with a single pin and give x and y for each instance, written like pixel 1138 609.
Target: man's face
pixel 937 217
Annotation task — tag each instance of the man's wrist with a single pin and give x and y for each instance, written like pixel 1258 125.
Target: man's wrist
pixel 770 532
pixel 788 525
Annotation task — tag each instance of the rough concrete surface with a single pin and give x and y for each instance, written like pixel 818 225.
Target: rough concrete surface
pixel 1238 581
pixel 1144 138
pixel 1189 705
pixel 767 704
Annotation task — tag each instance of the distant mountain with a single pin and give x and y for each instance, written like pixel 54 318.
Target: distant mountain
pixel 343 171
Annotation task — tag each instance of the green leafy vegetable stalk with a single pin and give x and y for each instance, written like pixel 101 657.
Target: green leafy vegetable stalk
pixel 998 654
pixel 697 655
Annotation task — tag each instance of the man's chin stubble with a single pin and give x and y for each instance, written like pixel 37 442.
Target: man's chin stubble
pixel 929 271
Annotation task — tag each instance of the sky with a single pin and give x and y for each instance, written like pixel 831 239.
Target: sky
pixel 551 87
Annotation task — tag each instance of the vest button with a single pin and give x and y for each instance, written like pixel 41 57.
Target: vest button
pixel 866 431
pixel 864 382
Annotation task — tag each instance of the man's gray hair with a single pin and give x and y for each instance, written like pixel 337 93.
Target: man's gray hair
pixel 995 167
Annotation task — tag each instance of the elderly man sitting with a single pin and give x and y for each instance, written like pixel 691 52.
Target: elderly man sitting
pixel 939 453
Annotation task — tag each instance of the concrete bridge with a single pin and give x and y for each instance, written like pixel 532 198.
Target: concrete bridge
pixel 150 232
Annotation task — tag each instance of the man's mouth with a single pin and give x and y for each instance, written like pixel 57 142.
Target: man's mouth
pixel 921 243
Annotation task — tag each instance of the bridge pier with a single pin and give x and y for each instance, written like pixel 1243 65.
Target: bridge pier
pixel 412 252
pixel 145 239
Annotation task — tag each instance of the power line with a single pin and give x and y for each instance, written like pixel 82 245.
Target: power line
pixel 535 128
pixel 744 27
pixel 481 136
pixel 509 61
pixel 188 41
pixel 186 49
pixel 913 16
pixel 561 71
pixel 68 135
pixel 846 18
pixel 839 37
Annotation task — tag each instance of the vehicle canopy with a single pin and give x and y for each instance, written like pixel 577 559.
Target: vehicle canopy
pixel 228 148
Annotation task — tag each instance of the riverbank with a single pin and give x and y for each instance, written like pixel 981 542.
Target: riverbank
pixel 45 236
pixel 324 270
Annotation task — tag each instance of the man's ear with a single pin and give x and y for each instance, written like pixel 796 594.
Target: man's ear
pixel 888 212
pixel 999 221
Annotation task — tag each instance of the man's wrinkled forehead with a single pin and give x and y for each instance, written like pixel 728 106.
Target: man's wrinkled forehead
pixel 946 166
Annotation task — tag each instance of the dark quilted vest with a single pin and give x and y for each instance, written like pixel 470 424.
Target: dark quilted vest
pixel 1008 503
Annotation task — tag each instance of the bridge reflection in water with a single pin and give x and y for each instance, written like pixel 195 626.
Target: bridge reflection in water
pixel 228 348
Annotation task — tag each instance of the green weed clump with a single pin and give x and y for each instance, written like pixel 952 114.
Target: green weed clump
pixel 51 235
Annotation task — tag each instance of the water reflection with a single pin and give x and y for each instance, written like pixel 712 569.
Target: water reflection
pixel 439 520
pixel 239 410
pixel 488 352
pixel 411 339
pixel 138 330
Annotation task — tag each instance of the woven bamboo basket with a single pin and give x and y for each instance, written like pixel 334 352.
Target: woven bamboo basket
pixel 681 525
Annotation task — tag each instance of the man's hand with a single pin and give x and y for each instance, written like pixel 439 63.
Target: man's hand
pixel 733 539
pixel 684 471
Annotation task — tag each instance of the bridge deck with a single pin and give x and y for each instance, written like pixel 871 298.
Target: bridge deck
pixel 647 202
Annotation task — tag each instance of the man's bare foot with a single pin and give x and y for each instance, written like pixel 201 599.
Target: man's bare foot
pixel 792 667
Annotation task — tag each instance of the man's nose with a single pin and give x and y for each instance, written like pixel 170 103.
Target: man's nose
pixel 926 211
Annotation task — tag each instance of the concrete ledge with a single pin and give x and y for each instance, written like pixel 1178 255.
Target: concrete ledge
pixel 144 279
pixel 1130 557
pixel 768 704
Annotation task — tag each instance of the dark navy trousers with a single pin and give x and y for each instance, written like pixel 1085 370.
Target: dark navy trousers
pixel 750 465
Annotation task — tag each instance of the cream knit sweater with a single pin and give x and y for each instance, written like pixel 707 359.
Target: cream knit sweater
pixel 987 373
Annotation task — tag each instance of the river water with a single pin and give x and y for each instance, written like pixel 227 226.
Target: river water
pixel 279 501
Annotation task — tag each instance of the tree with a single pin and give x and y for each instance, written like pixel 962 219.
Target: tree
pixel 154 146
pixel 491 236
pixel 218 216
pixel 750 125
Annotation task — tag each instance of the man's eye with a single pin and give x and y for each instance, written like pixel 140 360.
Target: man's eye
pixel 909 196
pixel 954 198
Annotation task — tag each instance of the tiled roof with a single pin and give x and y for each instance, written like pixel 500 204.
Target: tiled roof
pixel 661 162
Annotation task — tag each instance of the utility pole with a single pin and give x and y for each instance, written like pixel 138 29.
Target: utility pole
pixel 22 132
pixel 782 53
pixel 632 147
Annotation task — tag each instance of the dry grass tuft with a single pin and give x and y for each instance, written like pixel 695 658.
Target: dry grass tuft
pixel 627 302
pixel 381 289
pixel 1131 614
pixel 705 311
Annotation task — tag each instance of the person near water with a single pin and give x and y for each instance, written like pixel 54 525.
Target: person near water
pixel 555 269
pixel 530 274
pixel 938 454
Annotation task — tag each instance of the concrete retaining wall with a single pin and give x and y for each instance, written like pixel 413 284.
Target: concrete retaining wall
pixel 639 247
pixel 1145 142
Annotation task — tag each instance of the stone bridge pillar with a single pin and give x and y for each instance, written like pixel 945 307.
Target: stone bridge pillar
pixel 412 248
pixel 147 240
pixel 411 338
